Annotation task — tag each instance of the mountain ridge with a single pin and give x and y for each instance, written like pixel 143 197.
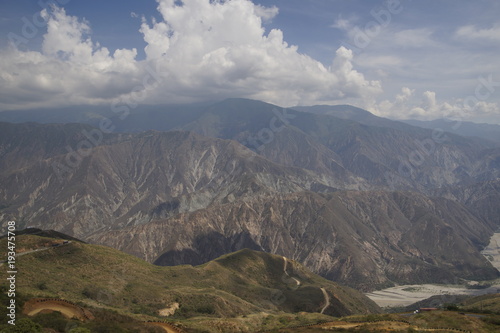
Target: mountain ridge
pixel 281 179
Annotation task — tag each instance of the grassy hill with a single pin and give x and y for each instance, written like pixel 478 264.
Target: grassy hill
pixel 437 321
pixel 482 304
pixel 248 285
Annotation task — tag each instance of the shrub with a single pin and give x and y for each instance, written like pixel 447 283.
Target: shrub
pixel 42 285
pixel 493 320
pixel 106 328
pixel 80 330
pixel 54 320
pixel 206 309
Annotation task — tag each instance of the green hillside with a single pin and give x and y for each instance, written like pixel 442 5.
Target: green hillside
pixel 246 284
pixel 483 304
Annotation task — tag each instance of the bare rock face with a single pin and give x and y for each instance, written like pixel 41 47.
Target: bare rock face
pixel 135 179
pixel 362 239
pixel 482 199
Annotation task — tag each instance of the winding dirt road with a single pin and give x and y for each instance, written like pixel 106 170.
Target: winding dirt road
pixel 325 294
pixel 286 273
pixel 327 300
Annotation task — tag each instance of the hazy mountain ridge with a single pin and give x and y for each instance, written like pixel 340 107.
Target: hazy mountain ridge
pixel 22 145
pixel 349 112
pixel 464 128
pixel 400 157
pixel 381 151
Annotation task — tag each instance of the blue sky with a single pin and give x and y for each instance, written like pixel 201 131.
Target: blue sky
pixel 401 59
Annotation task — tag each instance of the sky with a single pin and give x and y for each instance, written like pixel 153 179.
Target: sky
pixel 400 59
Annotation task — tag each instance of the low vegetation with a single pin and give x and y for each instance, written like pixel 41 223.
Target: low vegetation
pixel 244 291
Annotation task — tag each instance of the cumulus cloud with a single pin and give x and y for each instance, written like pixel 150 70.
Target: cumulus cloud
pixel 220 49
pixel 199 50
pixel 426 106
pixel 266 13
pixel 353 82
pixel 408 105
pixel 70 69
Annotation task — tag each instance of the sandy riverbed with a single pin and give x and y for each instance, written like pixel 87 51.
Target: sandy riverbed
pixel 492 251
pixel 409 294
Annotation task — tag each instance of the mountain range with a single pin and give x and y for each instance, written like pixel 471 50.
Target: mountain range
pixel 358 199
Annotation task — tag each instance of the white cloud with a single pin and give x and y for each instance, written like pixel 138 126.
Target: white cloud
pixel 344 24
pixel 353 83
pixel 200 50
pixel 65 36
pixel 407 105
pixel 220 49
pixel 414 38
pixel 71 69
pixel 266 13
pixel 471 32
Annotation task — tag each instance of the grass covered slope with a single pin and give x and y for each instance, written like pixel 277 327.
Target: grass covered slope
pixel 482 304
pixel 237 284
pixel 435 321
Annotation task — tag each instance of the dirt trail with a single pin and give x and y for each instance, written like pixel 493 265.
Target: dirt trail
pixel 19 254
pixel 284 270
pixel 327 300
pixel 325 294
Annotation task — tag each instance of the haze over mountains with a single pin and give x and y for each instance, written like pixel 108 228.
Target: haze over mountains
pixel 358 199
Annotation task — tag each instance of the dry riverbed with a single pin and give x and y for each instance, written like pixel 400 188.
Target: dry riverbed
pixel 409 294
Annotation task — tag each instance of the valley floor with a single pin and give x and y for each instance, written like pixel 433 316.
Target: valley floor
pixel 409 294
